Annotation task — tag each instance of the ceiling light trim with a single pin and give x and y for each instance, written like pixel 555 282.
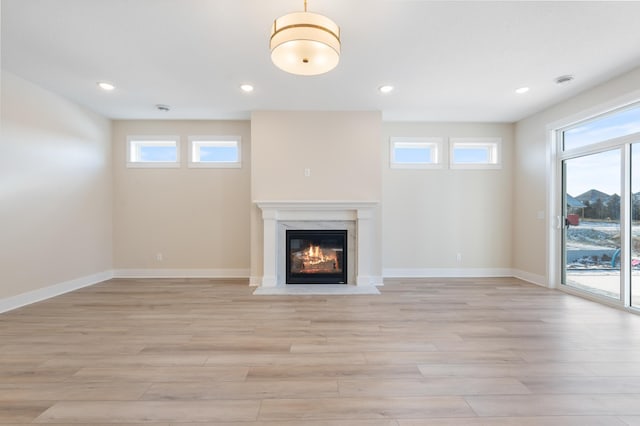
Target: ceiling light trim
pixel 319 27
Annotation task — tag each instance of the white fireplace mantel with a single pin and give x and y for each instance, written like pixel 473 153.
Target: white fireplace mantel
pixel 362 213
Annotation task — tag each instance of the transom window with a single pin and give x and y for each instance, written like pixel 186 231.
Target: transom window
pixel 153 151
pixel 415 153
pixel 602 128
pixel 215 151
pixel 475 153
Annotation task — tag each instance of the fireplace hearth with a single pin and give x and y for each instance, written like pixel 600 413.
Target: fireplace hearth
pixel 316 256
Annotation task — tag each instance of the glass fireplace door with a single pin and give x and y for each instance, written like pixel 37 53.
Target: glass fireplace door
pixel 316 257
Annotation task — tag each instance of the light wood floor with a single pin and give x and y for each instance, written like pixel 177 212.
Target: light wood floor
pixel 425 352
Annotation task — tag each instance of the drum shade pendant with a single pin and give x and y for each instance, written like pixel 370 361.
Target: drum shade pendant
pixel 305 43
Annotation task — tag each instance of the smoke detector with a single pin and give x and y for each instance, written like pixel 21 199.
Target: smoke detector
pixel 564 79
pixel 163 108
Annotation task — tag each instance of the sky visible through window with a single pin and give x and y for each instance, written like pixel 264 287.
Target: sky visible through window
pixel 471 155
pixel 423 155
pixel 222 154
pixel 412 155
pixel 607 127
pixel 599 171
pixel 158 153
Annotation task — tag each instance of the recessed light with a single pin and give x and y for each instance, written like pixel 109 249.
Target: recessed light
pixel 106 86
pixel 522 90
pixel 385 89
pixel 246 88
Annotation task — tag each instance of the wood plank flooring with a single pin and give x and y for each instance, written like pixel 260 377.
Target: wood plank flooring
pixel 424 352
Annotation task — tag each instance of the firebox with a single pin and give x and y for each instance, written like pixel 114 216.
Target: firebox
pixel 316 256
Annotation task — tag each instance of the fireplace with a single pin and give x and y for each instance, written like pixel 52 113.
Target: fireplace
pixel 358 218
pixel 316 256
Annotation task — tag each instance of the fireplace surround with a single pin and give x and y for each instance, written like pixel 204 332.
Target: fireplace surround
pixel 359 218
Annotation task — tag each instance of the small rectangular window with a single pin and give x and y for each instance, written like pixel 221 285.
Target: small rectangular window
pixel 415 153
pixel 215 151
pixel 153 151
pixel 475 153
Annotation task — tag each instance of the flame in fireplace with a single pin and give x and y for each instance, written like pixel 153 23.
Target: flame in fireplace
pixel 315 255
pixel 314 259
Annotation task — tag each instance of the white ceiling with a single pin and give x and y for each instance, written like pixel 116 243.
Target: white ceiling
pixel 449 61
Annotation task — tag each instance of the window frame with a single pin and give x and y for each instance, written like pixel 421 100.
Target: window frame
pixel 152 140
pixel 493 144
pixel 208 140
pixel 437 150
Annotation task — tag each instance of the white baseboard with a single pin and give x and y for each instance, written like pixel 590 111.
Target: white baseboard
pixel 447 272
pixel 181 273
pixel 531 278
pixel 14 302
pixel 377 280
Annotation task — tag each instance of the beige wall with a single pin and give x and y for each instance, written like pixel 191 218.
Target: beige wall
pixel 530 234
pixel 341 149
pixel 197 218
pixel 70 208
pixel 55 190
pixel 429 216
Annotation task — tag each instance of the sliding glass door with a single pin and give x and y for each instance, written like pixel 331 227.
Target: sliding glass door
pixel 591 237
pixel 600 206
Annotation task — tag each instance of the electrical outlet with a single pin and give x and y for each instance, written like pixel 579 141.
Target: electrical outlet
pixel 159 257
pixel 307 172
pixel 459 257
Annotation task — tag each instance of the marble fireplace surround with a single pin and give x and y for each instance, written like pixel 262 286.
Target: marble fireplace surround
pixel 357 217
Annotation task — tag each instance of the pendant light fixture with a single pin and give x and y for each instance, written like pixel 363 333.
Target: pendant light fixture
pixel 305 43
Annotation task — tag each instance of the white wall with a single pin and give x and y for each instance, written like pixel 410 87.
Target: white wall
pixel 431 216
pixel 196 218
pixel 530 234
pixel 55 191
